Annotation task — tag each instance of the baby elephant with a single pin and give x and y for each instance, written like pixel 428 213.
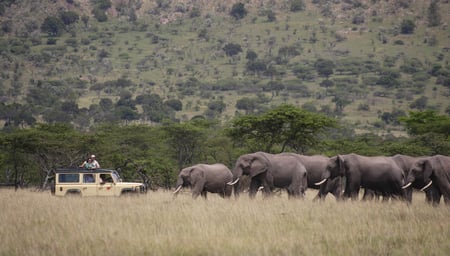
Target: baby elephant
pixel 204 178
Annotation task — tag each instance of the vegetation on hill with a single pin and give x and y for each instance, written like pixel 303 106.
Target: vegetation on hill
pixel 90 61
pixel 203 66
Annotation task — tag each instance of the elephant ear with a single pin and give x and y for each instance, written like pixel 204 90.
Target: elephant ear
pixel 427 169
pixel 196 174
pixel 259 164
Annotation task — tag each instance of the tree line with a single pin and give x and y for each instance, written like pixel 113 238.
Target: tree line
pixel 28 156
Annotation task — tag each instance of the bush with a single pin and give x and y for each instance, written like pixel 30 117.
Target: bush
pixel 407 26
pixel 53 26
pixel 232 49
pixel 100 15
pixel 297 5
pixel 69 17
pixel 238 11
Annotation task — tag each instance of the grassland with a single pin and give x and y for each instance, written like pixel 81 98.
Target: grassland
pixel 34 223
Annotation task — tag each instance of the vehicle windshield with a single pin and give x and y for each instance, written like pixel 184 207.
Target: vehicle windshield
pixel 116 176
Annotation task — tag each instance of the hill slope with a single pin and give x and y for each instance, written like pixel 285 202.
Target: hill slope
pixel 367 61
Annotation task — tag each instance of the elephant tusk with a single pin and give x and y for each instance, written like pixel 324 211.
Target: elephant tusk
pixel 260 188
pixel 320 182
pixel 178 189
pixel 429 184
pixel 231 183
pixel 407 185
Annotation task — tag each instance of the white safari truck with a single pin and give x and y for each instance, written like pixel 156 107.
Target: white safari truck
pixel 99 182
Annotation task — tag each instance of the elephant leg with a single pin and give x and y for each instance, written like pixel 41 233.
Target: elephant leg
pixel 352 190
pixel 197 189
pixel 254 186
pixel 433 195
pixel 368 195
pixel 408 194
pixel 204 194
pixel 227 191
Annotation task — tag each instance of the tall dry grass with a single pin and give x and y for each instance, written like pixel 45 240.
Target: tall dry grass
pixel 34 223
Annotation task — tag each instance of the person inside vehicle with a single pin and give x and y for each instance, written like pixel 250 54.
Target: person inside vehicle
pixel 88 178
pixel 88 164
pixel 95 164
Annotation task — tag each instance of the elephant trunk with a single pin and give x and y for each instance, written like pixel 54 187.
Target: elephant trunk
pixel 237 174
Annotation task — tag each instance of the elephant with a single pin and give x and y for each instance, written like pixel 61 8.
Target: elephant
pixel 434 170
pixel 315 167
pixel 405 163
pixel 271 171
pixel 203 178
pixel 379 174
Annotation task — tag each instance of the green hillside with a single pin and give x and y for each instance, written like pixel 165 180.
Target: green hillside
pixel 90 61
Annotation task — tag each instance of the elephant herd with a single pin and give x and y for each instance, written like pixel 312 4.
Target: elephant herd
pixel 342 175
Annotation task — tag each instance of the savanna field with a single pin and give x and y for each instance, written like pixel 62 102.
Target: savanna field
pixel 37 223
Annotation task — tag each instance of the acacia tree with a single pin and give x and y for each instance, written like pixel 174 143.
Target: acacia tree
pixel 429 129
pixel 238 11
pixel 33 153
pixel 53 26
pixel 186 140
pixel 282 127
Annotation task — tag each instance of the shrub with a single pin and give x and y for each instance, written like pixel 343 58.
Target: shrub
pixel 238 11
pixel 407 26
pixel 52 25
pixel 297 5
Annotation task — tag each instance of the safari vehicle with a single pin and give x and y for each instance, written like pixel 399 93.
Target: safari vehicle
pixel 99 182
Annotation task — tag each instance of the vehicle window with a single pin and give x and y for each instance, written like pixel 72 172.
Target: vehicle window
pixel 106 178
pixel 88 178
pixel 69 178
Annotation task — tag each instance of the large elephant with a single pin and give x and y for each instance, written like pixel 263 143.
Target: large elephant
pixel 271 171
pixel 379 174
pixel 203 178
pixel 405 163
pixel 315 167
pixel 434 170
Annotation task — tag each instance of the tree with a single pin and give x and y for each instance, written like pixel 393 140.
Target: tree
pixel 251 55
pixel 297 5
pixel 271 16
pixel 247 104
pixel 217 106
pixel 407 26
pixel 433 15
pixel 389 78
pixel 69 17
pixel 175 104
pixel 275 87
pixel 284 126
pixel 256 66
pixel 232 49
pixel 186 140
pixel 238 11
pixel 324 67
pixel 287 52
pixel 421 122
pixel 420 103
pixel 53 26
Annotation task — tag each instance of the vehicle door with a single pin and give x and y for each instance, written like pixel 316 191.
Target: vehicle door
pixel 89 184
pixel 106 185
